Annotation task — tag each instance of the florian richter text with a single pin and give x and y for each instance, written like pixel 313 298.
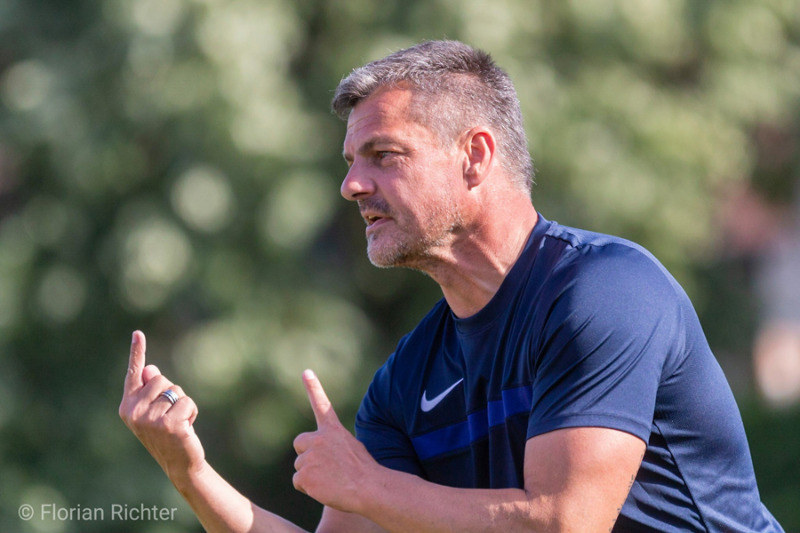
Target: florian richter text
pixel 78 513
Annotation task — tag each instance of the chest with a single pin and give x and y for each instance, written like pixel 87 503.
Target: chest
pixel 472 383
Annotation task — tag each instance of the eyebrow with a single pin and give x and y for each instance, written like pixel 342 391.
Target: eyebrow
pixel 370 145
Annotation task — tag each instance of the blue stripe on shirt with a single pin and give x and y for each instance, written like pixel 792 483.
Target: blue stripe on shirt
pixel 476 426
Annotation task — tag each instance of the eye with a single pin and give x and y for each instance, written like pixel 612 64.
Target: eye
pixel 382 154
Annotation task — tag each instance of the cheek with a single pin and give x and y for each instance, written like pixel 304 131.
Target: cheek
pixel 422 191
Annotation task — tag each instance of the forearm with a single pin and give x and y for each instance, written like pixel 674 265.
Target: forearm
pixel 402 502
pixel 221 508
pixel 164 423
pixel 581 487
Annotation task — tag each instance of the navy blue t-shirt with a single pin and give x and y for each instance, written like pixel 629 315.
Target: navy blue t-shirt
pixel 586 330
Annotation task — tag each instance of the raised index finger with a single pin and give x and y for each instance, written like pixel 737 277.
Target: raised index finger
pixel 320 404
pixel 133 380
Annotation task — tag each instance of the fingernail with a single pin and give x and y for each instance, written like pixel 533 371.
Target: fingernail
pixel 308 374
pixel 134 338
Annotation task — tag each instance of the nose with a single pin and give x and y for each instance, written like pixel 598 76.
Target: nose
pixel 356 184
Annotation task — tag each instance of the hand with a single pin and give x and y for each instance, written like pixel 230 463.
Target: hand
pixel 164 428
pixel 332 466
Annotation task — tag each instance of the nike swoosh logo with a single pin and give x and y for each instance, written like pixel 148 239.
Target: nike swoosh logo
pixel 426 404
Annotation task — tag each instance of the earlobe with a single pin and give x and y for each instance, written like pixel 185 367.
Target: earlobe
pixel 480 148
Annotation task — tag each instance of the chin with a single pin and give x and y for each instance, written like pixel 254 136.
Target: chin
pixel 381 260
pixel 387 256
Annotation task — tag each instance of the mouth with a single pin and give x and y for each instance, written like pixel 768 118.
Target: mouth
pixel 371 219
pixel 375 224
pixel 374 211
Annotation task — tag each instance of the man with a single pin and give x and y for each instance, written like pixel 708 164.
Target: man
pixel 562 384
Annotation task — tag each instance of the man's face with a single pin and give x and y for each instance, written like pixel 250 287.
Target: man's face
pixel 406 183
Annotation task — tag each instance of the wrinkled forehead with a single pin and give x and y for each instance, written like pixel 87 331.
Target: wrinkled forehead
pixel 383 110
pixel 385 102
pixel 396 108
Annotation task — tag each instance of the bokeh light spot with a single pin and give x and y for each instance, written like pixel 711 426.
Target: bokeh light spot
pixel 203 198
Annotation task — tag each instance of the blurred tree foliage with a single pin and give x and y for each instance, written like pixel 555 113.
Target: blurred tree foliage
pixel 172 165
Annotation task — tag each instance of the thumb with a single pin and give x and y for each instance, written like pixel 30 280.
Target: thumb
pixel 320 404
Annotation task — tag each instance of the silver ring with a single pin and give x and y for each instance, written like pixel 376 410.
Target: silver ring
pixel 170 395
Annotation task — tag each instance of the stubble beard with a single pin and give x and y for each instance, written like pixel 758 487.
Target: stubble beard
pixel 421 248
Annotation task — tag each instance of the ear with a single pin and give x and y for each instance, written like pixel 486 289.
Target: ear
pixel 479 148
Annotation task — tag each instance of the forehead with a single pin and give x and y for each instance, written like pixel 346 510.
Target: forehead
pixel 385 113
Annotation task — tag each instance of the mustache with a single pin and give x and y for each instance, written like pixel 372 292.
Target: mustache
pixel 378 205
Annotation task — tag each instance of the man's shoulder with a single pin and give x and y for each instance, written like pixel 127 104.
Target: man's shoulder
pixel 578 251
pixel 579 273
pixel 581 239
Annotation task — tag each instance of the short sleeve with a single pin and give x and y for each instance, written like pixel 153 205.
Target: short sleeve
pixel 614 319
pixel 379 425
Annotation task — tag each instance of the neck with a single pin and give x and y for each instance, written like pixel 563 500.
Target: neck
pixel 480 259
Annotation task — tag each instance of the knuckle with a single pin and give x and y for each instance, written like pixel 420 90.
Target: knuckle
pixel 305 441
pixel 159 380
pixel 297 482
pixel 149 418
pixel 162 423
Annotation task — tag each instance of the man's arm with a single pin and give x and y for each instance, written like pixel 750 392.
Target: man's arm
pixel 576 479
pixel 166 431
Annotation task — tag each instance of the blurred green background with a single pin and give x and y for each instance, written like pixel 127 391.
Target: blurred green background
pixel 173 166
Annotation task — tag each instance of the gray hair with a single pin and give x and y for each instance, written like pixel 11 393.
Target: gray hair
pixel 456 87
